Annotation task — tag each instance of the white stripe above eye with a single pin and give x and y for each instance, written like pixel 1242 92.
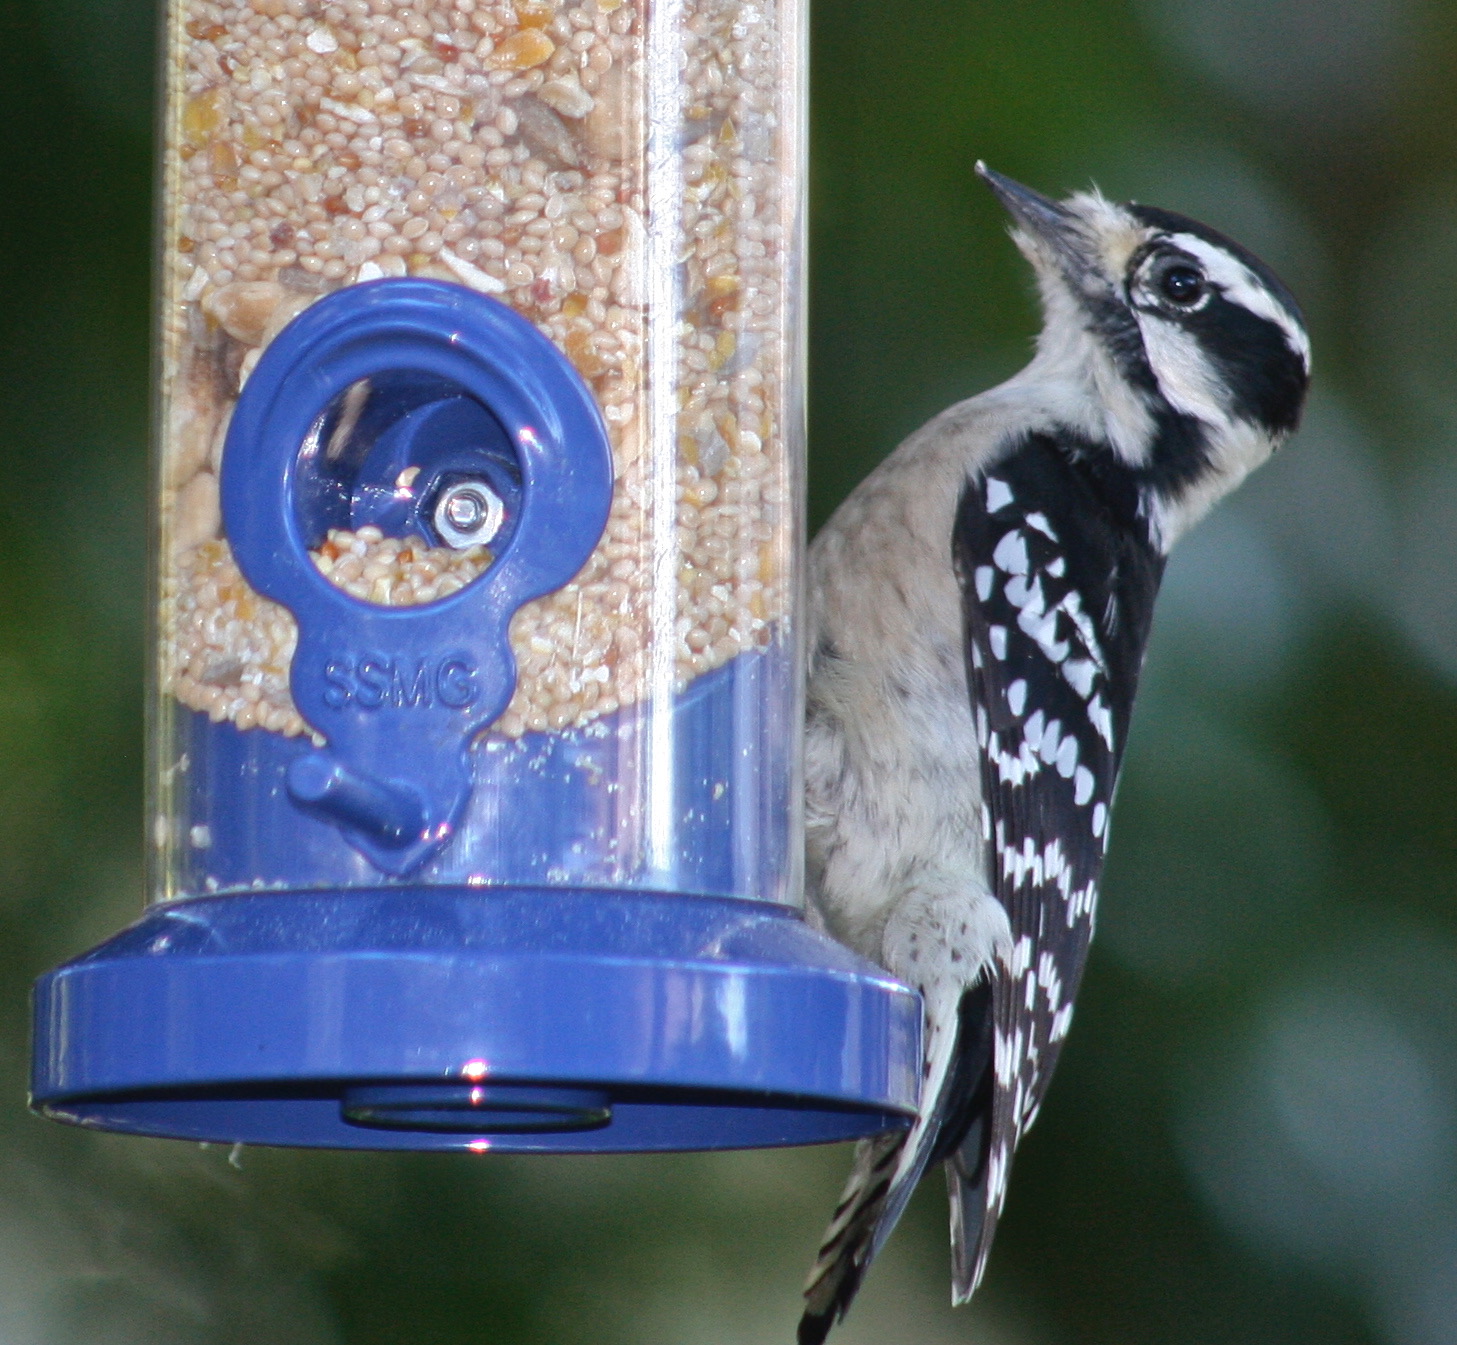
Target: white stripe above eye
pixel 1242 286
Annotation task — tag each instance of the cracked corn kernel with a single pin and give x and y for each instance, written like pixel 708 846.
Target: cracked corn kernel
pixel 522 50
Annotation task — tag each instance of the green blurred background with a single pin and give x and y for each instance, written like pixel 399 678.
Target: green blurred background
pixel 1253 1136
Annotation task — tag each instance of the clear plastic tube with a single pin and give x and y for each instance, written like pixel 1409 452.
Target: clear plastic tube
pixel 628 178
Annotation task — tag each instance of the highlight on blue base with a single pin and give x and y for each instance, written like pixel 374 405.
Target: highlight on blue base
pixel 457 1018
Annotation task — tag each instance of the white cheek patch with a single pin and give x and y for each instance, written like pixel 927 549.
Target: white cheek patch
pixel 1184 374
pixel 1241 286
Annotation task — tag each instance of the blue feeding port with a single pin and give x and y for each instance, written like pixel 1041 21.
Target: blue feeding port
pixel 408 929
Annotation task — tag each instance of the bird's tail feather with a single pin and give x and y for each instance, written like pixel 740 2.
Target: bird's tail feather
pixel 849 1242
pixel 888 1167
pixel 972 1224
pixel 882 1181
pixel 968 1180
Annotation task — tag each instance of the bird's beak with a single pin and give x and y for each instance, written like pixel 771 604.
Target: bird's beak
pixel 1051 229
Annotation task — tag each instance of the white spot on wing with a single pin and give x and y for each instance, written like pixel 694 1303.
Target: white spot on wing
pixel 1067 757
pixel 1017 696
pixel 1079 673
pixel 1061 1021
pixel 1047 748
pixel 1082 785
pixel 999 494
pixel 1042 627
pixel 1011 553
pixel 1051 981
pixel 1072 604
pixel 1026 596
pixel 984 579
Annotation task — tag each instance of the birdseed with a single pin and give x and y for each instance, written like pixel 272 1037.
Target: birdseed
pixel 499 146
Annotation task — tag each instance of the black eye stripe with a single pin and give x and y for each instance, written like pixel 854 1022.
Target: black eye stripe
pixel 1167 223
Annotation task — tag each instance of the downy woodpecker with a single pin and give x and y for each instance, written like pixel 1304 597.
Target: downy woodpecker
pixel 979 608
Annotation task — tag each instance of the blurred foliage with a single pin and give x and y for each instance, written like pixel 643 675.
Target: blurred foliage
pixel 1253 1136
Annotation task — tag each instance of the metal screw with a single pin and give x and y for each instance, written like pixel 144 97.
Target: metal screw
pixel 469 513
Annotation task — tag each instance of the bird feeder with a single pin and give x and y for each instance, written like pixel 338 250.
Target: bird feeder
pixel 474 794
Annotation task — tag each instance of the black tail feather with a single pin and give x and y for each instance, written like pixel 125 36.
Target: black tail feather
pixel 849 1243
pixel 885 1172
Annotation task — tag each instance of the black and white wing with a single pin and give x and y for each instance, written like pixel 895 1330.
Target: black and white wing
pixel 1058 583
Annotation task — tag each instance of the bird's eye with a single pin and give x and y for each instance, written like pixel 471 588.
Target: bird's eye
pixel 1182 285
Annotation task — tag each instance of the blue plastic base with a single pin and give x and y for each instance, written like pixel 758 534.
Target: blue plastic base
pixel 561 809
pixel 519 1020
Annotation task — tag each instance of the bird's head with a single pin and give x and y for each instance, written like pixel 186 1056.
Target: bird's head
pixel 1169 342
